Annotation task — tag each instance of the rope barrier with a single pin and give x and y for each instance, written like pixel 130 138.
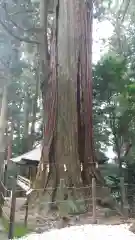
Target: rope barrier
pixel 5 214
pixel 69 188
pixel 4 186
pixel 5 200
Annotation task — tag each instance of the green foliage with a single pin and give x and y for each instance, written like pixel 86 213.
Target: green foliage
pixel 131 89
pixel 114 104
pixel 19 65
pixel 19 229
pixel 109 90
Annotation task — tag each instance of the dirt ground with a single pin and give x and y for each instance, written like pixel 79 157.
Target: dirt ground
pixel 53 221
pixel 40 221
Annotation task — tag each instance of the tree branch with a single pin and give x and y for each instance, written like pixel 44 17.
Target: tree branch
pixel 9 18
pixel 17 26
pixel 21 12
pixel 126 9
pixel 25 39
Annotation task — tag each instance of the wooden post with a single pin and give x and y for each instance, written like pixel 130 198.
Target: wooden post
pixel 5 180
pixel 123 198
pixel 27 202
pixel 1 197
pixel 61 194
pixel 94 200
pixel 26 212
pixel 12 210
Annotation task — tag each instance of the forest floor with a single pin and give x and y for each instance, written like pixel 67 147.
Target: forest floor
pixel 39 221
pixel 52 222
pixel 3 234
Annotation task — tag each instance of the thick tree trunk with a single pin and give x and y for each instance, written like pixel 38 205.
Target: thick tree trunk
pixel 74 81
pixel 68 101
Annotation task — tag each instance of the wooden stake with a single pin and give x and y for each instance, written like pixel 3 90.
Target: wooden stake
pixel 1 197
pixel 123 197
pixel 94 200
pixel 12 210
pixel 27 202
pixel 26 212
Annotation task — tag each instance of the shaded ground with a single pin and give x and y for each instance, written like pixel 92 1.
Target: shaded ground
pixel 39 220
pixel 46 223
pixel 3 234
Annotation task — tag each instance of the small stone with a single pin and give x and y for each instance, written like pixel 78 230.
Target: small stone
pixel 109 212
pixel 77 218
pixel 132 228
pixel 94 221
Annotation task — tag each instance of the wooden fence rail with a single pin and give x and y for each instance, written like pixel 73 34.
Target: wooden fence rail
pixel 62 186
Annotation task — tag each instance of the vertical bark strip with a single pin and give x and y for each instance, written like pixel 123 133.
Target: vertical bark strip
pixel 50 108
pixel 86 58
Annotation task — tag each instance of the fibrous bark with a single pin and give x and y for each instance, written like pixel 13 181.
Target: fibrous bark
pixel 68 133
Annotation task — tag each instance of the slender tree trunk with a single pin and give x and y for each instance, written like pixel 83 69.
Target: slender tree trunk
pixel 9 153
pixel 34 105
pixel 44 75
pixel 19 130
pixel 43 47
pixel 25 143
pixel 26 116
pixel 3 125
